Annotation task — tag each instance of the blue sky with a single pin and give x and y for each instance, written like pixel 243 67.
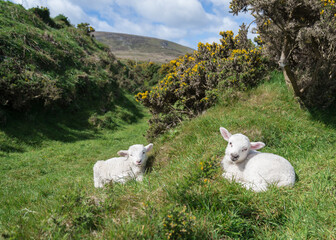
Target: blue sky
pixel 186 22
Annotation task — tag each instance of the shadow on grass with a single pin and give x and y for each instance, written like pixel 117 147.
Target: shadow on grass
pixel 327 116
pixel 64 125
pixel 150 163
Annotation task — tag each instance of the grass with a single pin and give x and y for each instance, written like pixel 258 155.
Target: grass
pixel 53 166
pixel 47 190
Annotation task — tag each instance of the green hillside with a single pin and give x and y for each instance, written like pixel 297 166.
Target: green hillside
pixel 48 189
pixel 49 67
pixel 127 46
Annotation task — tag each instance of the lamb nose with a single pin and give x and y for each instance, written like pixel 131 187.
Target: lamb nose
pixel 234 155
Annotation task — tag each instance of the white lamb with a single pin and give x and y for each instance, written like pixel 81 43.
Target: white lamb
pixel 253 169
pixel 131 165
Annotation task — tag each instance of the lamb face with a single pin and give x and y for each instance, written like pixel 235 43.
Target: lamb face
pixel 136 154
pixel 238 148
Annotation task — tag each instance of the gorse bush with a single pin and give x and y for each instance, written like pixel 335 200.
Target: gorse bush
pixel 300 35
pixel 192 81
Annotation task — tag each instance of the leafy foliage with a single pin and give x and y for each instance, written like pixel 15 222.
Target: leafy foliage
pixel 191 83
pixel 62 20
pixel 139 77
pixel 44 14
pixel 50 66
pixel 300 35
pixel 86 28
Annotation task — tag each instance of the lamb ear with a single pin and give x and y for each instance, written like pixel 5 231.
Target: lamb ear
pixel 225 133
pixel 149 147
pixel 123 153
pixel 257 145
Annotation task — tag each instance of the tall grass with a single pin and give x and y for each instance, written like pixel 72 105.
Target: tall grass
pixel 47 190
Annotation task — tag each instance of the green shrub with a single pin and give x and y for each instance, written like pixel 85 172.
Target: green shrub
pixel 138 77
pixel 62 20
pixel 44 14
pixel 85 28
pixel 300 36
pixel 191 82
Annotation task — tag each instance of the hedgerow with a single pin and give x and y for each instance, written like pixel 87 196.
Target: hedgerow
pixel 193 81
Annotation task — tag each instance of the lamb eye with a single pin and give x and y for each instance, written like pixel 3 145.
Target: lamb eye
pixel 231 144
pixel 245 149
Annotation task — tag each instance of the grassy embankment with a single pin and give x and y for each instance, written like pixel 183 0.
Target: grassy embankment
pixel 47 188
pixel 46 64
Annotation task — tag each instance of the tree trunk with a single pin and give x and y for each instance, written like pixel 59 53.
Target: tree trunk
pixel 291 81
pixel 290 78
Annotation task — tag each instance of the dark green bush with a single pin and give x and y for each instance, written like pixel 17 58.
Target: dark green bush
pixel 299 35
pixel 44 14
pixel 62 20
pixel 139 77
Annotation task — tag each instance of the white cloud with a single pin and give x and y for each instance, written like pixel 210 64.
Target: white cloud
pixel 165 32
pixel 220 3
pixel 29 4
pixel 182 21
pixel 101 25
pixel 74 12
pixel 185 43
pixel 224 23
pixel 178 13
pixel 70 10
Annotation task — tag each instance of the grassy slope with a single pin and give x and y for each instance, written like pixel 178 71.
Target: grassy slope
pixel 41 65
pixel 49 160
pixel 221 209
pixel 48 190
pixel 141 48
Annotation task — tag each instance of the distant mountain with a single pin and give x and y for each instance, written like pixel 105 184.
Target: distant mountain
pixel 141 48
